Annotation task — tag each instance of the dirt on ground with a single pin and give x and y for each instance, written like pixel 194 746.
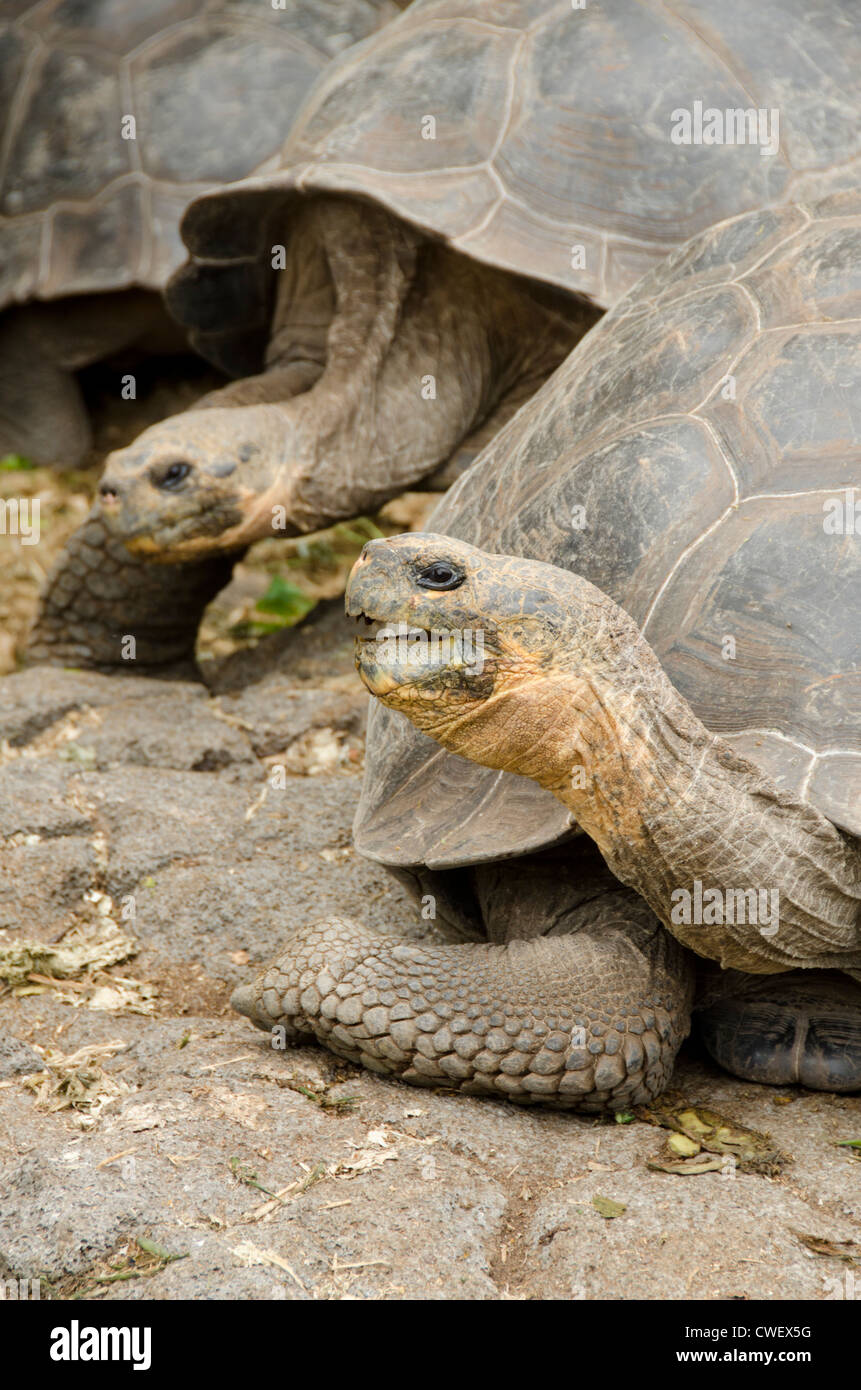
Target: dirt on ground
pixel 154 1145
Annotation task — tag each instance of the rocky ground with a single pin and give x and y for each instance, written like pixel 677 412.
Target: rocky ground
pixel 153 1145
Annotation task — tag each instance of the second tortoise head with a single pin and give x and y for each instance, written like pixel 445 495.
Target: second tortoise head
pixel 203 481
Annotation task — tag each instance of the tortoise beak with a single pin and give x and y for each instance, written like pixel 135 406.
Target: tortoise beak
pixel 373 582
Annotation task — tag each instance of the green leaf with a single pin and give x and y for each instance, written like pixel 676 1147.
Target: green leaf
pixel 15 463
pixel 151 1247
pixel 285 601
pixel 605 1206
pixel 849 1143
pixel 624 1117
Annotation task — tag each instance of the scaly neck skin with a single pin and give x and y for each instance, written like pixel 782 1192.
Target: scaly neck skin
pixel 380 424
pixel 670 805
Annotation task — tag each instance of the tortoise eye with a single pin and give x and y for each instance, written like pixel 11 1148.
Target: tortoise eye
pixel 440 575
pixel 171 478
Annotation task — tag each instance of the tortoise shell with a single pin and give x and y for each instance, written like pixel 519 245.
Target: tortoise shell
pixel 540 138
pixel 698 457
pixel 212 85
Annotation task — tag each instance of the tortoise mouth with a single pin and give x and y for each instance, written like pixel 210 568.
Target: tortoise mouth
pixel 171 545
pixel 366 628
pixel 383 649
pixel 378 631
pixel 377 674
pixel 432 663
pixel 196 526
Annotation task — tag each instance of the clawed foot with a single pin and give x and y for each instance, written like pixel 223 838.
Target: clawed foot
pixel 297 992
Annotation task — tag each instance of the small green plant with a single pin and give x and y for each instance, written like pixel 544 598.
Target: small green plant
pixel 15 463
pixel 285 602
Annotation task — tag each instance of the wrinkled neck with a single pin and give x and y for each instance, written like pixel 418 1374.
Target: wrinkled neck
pixel 385 415
pixel 634 747
pixel 386 352
pixel 708 840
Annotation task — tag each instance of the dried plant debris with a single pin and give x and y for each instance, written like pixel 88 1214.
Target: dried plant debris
pixel 100 992
pixel 318 1091
pixel 78 1082
pixel 316 753
pixel 380 1146
pixel 121 994
pixel 284 1195
pixel 249 1254
pixel 87 946
pixel 704 1141
pixel 849 1251
pixel 139 1258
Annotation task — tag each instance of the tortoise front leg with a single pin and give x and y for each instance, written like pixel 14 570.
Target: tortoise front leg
pixel 105 608
pixel 587 1021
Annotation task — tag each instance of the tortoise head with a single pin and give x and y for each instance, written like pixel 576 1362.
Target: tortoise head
pixel 203 481
pixel 483 652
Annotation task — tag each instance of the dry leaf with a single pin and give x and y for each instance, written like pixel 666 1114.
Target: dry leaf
pixel 846 1250
pixel 748 1150
pixel 606 1207
pixel 87 946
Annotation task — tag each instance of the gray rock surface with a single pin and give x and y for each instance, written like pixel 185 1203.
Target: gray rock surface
pixel 165 800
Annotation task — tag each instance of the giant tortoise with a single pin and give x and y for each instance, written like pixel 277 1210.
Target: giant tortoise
pixel 658 666
pixel 414 268
pixel 119 113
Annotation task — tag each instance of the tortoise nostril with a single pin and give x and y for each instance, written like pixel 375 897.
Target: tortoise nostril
pixel 108 491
